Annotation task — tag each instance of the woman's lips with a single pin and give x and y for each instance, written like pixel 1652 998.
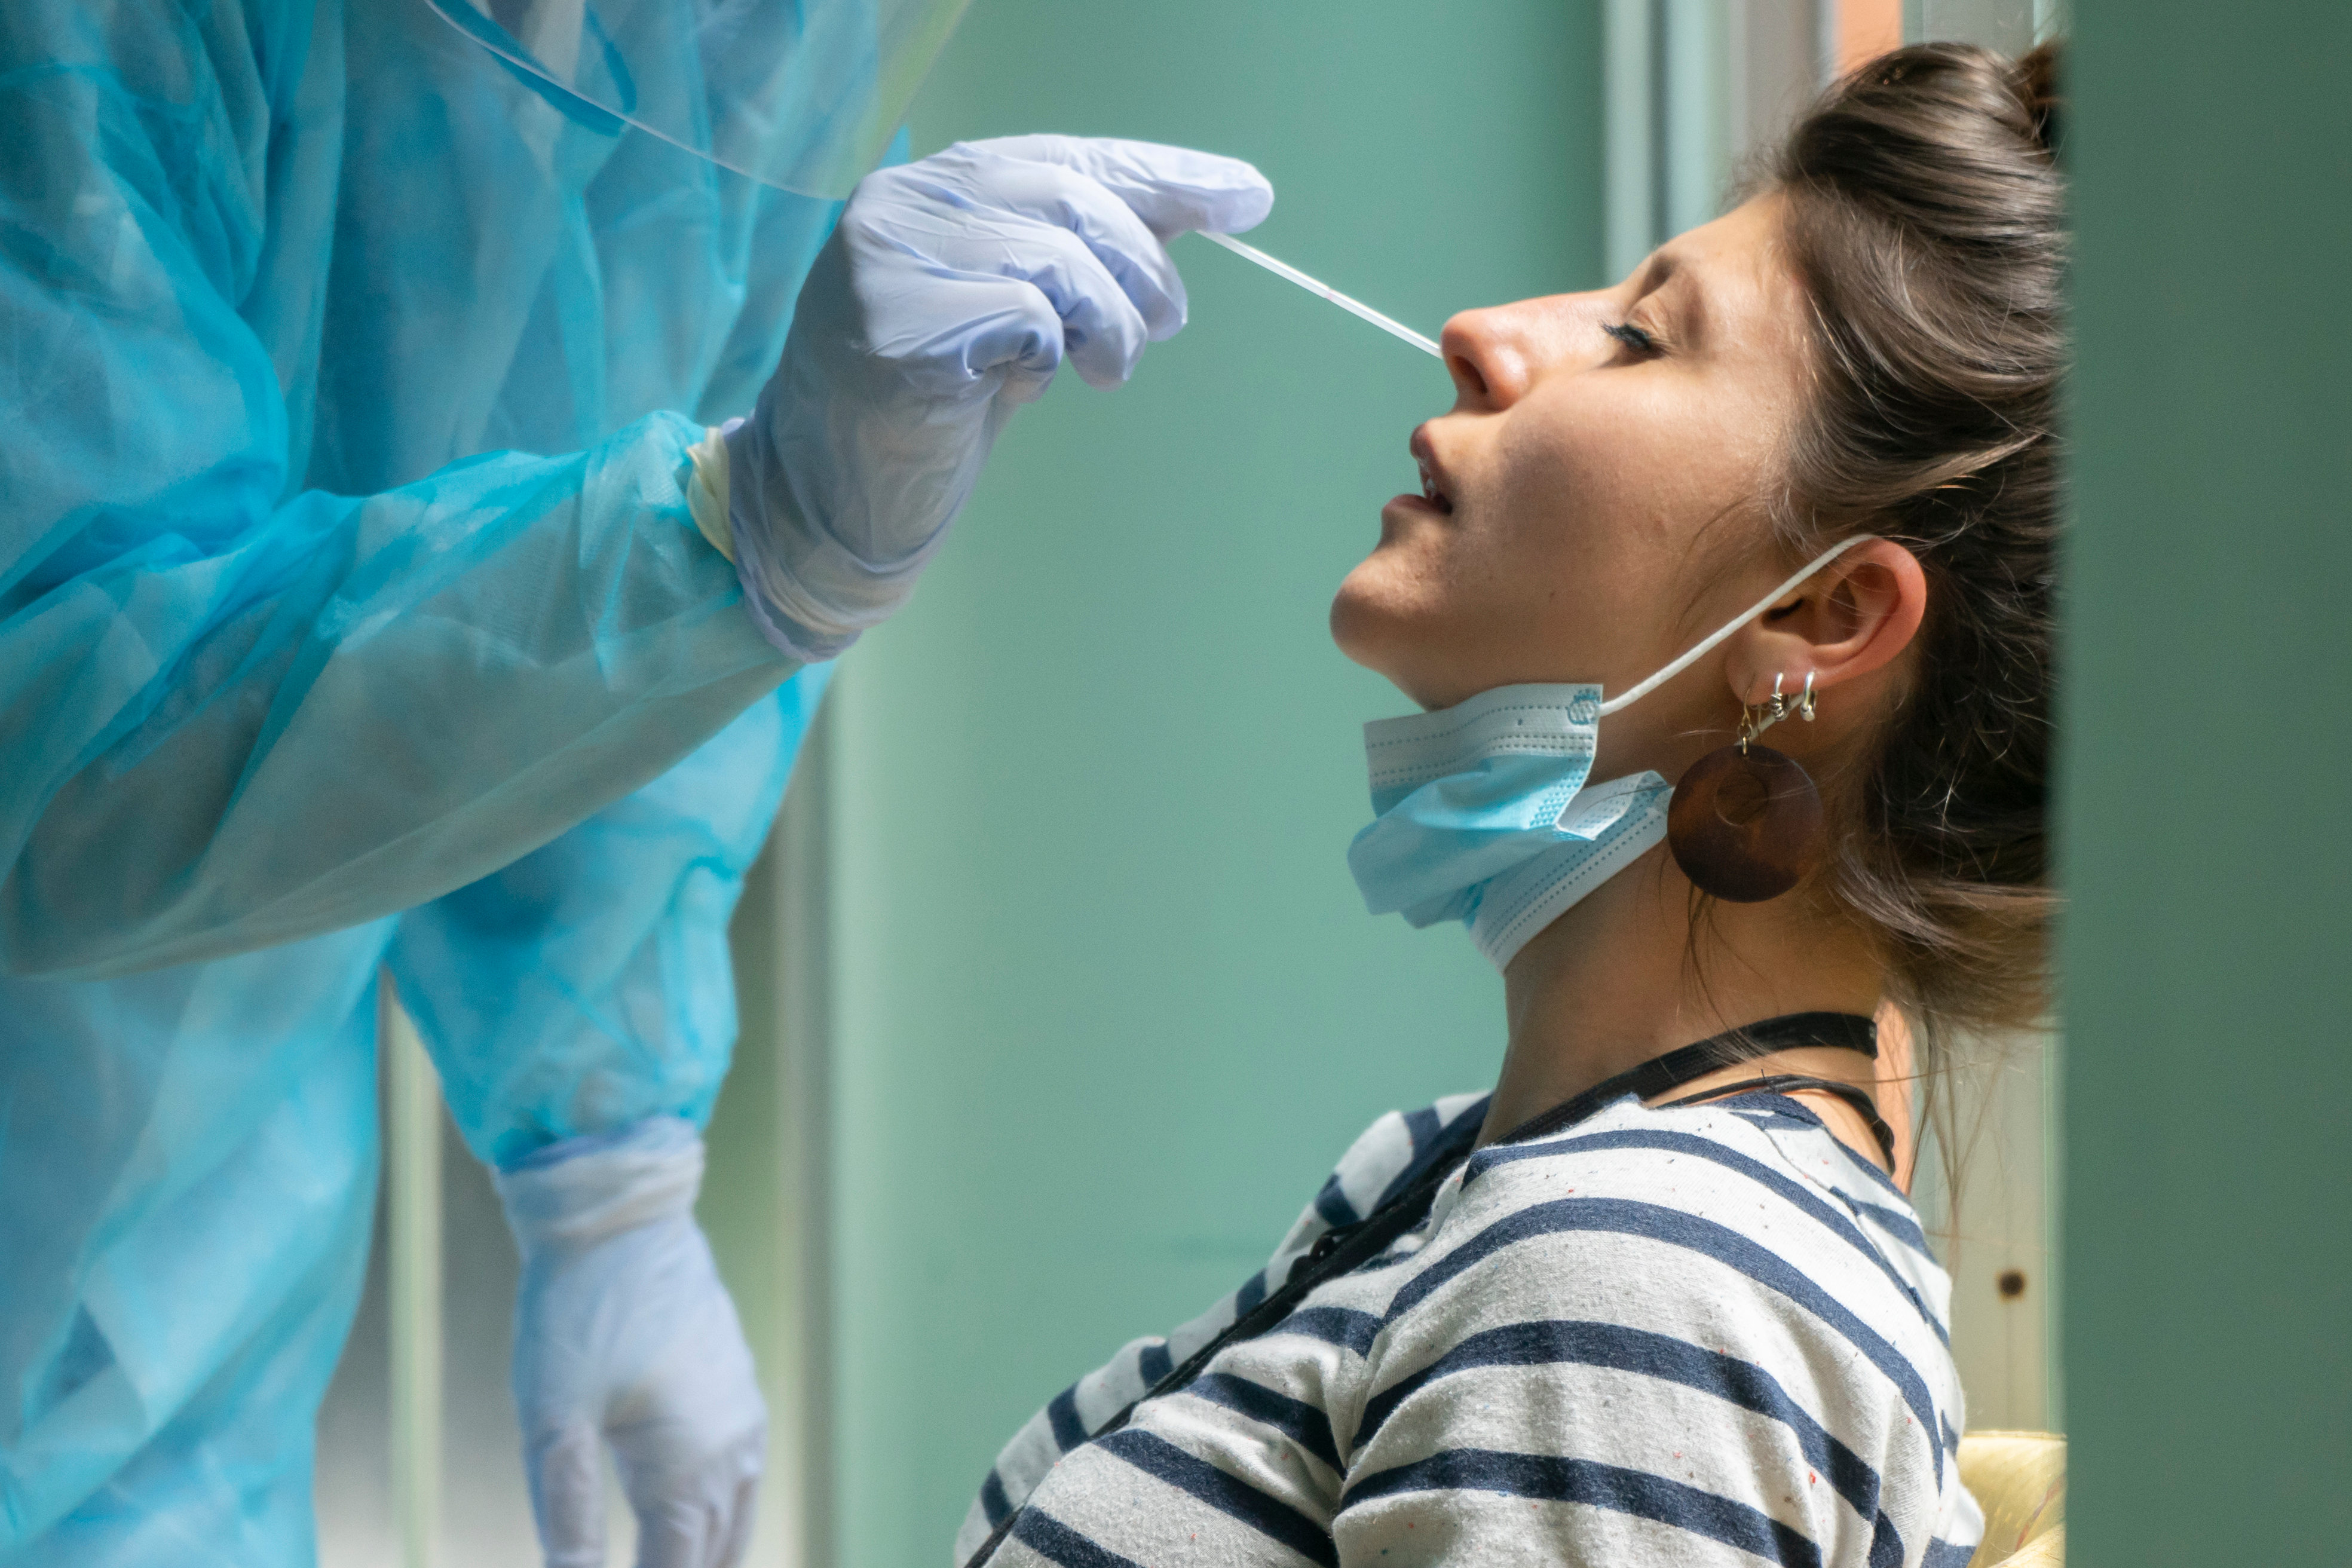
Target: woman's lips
pixel 1409 515
pixel 1435 500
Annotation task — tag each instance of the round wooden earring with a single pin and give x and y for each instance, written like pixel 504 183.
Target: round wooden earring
pixel 1745 823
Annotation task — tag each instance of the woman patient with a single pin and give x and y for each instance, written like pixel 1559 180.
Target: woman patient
pixel 1657 1298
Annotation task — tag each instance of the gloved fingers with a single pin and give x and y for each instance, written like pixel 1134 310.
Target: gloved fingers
pixel 1102 331
pixel 673 1533
pixel 1171 189
pixel 1063 198
pixel 998 324
pixel 693 1510
pixel 737 1540
pixel 1038 299
pixel 567 1497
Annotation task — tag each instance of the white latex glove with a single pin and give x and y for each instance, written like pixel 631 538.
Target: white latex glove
pixel 625 1335
pixel 947 295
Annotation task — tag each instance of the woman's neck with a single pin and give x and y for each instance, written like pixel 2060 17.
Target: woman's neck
pixel 1619 979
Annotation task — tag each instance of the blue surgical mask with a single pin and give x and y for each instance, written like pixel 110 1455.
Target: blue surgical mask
pixel 1486 813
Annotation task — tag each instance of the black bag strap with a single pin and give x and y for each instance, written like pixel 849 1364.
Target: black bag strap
pixel 1336 1252
pixel 1853 1094
pixel 1344 1249
pixel 1662 1075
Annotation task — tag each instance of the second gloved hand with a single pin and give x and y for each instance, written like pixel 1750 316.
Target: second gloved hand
pixel 947 295
pixel 625 1335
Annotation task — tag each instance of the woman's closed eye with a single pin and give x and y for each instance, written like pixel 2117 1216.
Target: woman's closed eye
pixel 1632 336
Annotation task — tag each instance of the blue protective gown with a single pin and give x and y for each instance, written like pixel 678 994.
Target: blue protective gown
pixel 294 684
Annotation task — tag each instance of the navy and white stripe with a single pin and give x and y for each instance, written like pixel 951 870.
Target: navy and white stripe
pixel 1689 1335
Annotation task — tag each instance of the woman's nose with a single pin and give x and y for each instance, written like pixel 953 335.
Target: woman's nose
pixel 1495 354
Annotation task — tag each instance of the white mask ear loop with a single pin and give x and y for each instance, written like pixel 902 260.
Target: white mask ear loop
pixel 1706 646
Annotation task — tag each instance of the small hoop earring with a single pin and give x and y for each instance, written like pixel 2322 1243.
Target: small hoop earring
pixel 1745 823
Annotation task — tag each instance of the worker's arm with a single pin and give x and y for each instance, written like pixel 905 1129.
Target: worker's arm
pixel 236 714
pixel 232 712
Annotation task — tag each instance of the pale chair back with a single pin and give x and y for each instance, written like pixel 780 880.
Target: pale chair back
pixel 2019 1478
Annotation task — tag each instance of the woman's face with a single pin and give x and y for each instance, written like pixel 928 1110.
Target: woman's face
pixel 1592 440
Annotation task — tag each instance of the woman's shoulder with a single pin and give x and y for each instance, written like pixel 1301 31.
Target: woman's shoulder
pixel 1739 1222
pixel 1385 1159
pixel 1393 1153
pixel 1690 1300
pixel 1747 1163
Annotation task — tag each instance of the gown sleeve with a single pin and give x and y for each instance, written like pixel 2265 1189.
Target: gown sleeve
pixel 589 985
pixel 234 712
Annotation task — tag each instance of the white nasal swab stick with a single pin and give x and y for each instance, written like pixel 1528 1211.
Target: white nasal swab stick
pixel 1355 307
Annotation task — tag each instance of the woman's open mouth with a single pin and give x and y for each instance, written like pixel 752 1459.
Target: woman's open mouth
pixel 1434 488
pixel 1431 493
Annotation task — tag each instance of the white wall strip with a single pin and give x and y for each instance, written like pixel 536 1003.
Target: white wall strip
pixel 413 1202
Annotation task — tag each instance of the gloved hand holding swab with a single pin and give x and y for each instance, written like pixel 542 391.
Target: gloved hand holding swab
pixel 1354 307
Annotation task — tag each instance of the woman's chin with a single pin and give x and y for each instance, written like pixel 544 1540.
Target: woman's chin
pixel 1375 631
pixel 1363 626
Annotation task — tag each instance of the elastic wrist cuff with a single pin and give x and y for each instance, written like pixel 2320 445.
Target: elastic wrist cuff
pixel 582 1190
pixel 706 489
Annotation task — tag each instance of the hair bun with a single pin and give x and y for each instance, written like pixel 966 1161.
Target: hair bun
pixel 1926 218
pixel 2037 92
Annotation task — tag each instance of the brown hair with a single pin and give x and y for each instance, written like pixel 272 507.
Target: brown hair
pixel 1926 220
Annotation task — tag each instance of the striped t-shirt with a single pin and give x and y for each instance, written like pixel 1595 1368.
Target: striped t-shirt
pixel 1695 1335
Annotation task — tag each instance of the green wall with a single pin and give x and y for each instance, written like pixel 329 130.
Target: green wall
pixel 2206 839
pixel 1107 1004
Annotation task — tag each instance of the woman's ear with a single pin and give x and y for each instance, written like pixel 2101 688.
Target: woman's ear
pixel 1856 615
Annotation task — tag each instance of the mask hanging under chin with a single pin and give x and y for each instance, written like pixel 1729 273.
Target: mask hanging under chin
pixel 1485 811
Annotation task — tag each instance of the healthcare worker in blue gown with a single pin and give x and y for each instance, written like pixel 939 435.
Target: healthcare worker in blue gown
pixel 386 582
